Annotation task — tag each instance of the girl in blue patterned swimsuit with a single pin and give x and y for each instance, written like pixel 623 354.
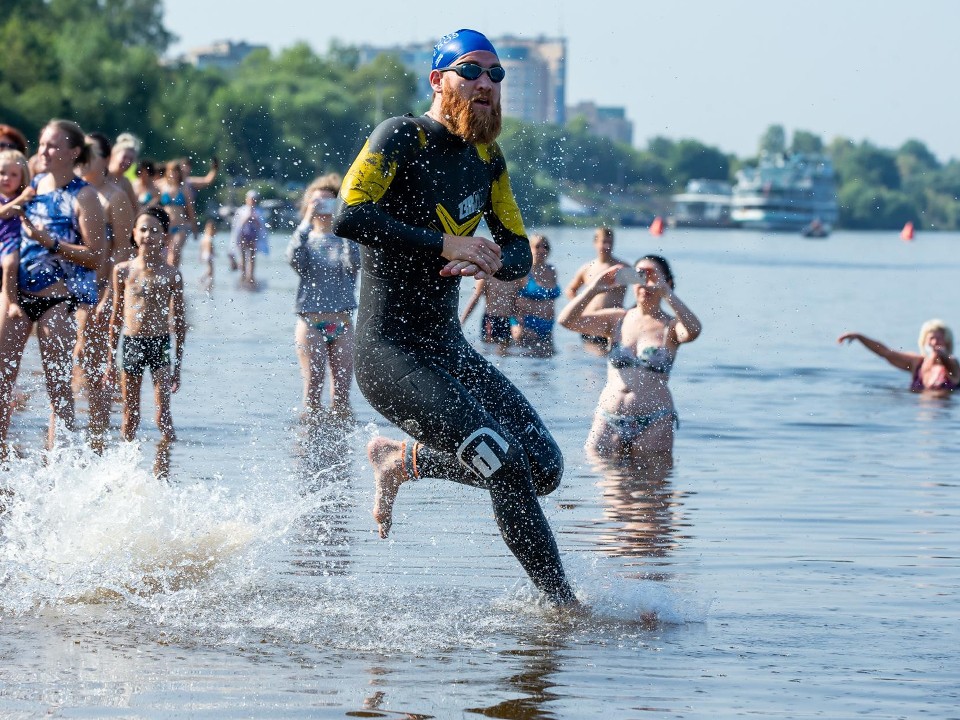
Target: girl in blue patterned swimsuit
pixel 62 246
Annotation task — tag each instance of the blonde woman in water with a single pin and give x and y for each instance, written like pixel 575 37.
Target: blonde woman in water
pixel 635 416
pixel 935 367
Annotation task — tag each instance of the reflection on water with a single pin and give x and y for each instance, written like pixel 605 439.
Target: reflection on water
pixel 323 467
pixel 642 511
pixel 531 688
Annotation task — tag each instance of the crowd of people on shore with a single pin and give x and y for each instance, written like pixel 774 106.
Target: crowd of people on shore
pixel 91 241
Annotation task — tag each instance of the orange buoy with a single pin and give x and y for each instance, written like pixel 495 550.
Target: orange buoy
pixel 657 226
pixel 907 233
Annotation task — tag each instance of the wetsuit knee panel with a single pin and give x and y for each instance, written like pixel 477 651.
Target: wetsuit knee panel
pixel 546 476
pixel 546 460
pixel 489 454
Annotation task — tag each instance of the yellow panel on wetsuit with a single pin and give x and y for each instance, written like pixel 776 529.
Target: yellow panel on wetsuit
pixel 414 181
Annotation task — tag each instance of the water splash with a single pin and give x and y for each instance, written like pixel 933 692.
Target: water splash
pixel 254 560
pixel 81 527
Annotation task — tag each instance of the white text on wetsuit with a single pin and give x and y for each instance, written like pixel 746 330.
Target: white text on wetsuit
pixel 471 205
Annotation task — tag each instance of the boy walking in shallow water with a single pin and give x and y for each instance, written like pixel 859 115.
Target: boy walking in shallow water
pixel 147 302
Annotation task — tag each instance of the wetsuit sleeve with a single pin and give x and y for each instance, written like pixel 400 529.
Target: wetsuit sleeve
pixel 505 223
pixel 394 143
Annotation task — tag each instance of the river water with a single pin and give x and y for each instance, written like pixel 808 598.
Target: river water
pixel 802 555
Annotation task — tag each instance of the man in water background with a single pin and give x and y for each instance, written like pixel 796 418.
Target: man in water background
pixel 412 199
pixel 590 271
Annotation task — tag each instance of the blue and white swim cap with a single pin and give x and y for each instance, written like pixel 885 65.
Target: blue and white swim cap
pixel 457 44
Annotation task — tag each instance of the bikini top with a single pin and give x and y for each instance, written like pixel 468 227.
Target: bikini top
pixel 145 197
pixel 178 199
pixel 945 383
pixel 655 358
pixel 533 291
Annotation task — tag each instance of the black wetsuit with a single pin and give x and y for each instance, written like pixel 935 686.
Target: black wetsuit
pixel 412 182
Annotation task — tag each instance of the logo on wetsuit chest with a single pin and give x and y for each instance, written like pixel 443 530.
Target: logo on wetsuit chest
pixel 484 451
pixel 471 205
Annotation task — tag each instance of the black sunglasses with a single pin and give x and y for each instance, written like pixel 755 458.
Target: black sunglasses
pixel 4 145
pixel 472 71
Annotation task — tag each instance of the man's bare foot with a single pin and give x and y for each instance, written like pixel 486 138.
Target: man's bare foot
pixel 386 457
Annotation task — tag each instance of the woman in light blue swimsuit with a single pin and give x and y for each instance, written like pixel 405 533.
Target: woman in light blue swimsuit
pixel 535 302
pixel 635 415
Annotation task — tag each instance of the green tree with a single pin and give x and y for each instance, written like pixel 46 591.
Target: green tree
pixel 915 163
pixel 806 142
pixel 869 207
pixel 773 141
pixel 692 159
pixel 864 162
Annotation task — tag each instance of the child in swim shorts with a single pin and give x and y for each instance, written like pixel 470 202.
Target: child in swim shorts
pixel 147 304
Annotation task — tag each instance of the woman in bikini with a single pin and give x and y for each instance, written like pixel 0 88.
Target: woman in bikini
pixel 635 417
pixel 145 184
pixel 326 298
pixel 176 199
pixel 934 368
pixel 536 299
pixel 62 249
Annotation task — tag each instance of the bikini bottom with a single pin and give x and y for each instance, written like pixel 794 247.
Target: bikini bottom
pixel 330 329
pixel 630 427
pixel 34 306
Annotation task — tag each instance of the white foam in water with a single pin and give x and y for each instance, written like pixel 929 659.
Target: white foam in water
pixel 85 528
pixel 613 597
pixel 610 597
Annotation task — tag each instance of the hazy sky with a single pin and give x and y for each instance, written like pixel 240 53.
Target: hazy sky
pixel 720 72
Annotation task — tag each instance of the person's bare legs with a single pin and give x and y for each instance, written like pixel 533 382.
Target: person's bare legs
pixel 386 457
pixel 161 397
pixel 161 464
pixel 175 248
pixel 130 391
pixel 247 265
pixel 312 354
pixel 341 374
pixel 93 356
pixel 57 337
pixel 603 443
pixel 653 444
pixel 14 333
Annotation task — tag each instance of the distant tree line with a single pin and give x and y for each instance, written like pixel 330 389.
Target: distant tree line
pixel 283 118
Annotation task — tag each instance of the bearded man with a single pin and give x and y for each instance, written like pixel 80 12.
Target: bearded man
pixel 413 199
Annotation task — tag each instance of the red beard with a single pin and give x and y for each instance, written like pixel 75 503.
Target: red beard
pixel 467 122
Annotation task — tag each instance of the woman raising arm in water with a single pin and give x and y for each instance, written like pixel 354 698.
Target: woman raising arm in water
pixel 635 416
pixel 934 368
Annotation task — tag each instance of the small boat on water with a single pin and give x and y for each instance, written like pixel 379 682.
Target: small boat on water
pixel 815 229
